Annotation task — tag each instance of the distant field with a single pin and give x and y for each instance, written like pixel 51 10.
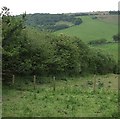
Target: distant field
pixel 73 97
pixel 65 22
pixel 113 19
pixel 92 29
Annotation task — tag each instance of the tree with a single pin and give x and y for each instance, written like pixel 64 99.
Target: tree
pixel 29 51
pixel 116 38
pixel 77 21
pixel 14 41
pixel 98 42
pixel 5 11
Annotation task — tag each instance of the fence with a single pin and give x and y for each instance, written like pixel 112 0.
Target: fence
pixel 27 82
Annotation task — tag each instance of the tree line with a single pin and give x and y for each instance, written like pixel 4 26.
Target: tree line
pixel 27 51
pixel 48 21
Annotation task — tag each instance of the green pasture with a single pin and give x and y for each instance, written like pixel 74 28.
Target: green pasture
pixel 108 18
pixel 73 97
pixel 64 22
pixel 91 29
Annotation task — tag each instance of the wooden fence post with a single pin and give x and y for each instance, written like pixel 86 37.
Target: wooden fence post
pixel 54 83
pixel 13 79
pixel 34 82
pixel 94 84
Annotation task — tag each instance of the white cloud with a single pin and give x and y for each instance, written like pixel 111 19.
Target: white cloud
pixel 58 6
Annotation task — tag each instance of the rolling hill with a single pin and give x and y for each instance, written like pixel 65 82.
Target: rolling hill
pixel 92 29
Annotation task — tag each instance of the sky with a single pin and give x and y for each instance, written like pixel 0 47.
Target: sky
pixel 58 6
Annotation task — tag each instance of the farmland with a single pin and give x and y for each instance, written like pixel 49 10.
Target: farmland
pixel 73 97
pixel 113 19
pixel 92 29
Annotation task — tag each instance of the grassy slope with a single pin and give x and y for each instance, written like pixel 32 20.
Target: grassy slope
pixel 72 98
pixel 109 18
pixel 91 30
pixel 64 22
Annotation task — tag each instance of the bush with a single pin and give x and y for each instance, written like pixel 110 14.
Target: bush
pixel 58 27
pixel 42 53
pixel 116 38
pixel 98 42
pixel 77 21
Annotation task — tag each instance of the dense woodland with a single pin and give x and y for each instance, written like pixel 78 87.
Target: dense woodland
pixel 27 51
pixel 48 21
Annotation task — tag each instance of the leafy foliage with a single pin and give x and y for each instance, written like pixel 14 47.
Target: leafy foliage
pixel 58 27
pixel 14 41
pixel 48 21
pixel 27 51
pixel 114 12
pixel 77 21
pixel 116 38
pixel 98 42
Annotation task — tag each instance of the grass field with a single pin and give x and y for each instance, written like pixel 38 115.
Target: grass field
pixel 64 22
pixel 108 18
pixel 92 29
pixel 73 97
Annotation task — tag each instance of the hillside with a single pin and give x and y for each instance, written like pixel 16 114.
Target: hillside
pixel 92 29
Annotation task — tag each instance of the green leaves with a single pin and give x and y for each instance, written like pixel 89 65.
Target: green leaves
pixel 14 41
pixel 116 38
pixel 29 51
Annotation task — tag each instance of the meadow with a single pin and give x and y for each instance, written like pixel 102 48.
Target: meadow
pixel 72 97
pixel 113 19
pixel 91 29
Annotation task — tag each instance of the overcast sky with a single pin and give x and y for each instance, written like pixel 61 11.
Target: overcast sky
pixel 58 6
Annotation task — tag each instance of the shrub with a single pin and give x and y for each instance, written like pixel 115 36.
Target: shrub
pixel 98 42
pixel 116 38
